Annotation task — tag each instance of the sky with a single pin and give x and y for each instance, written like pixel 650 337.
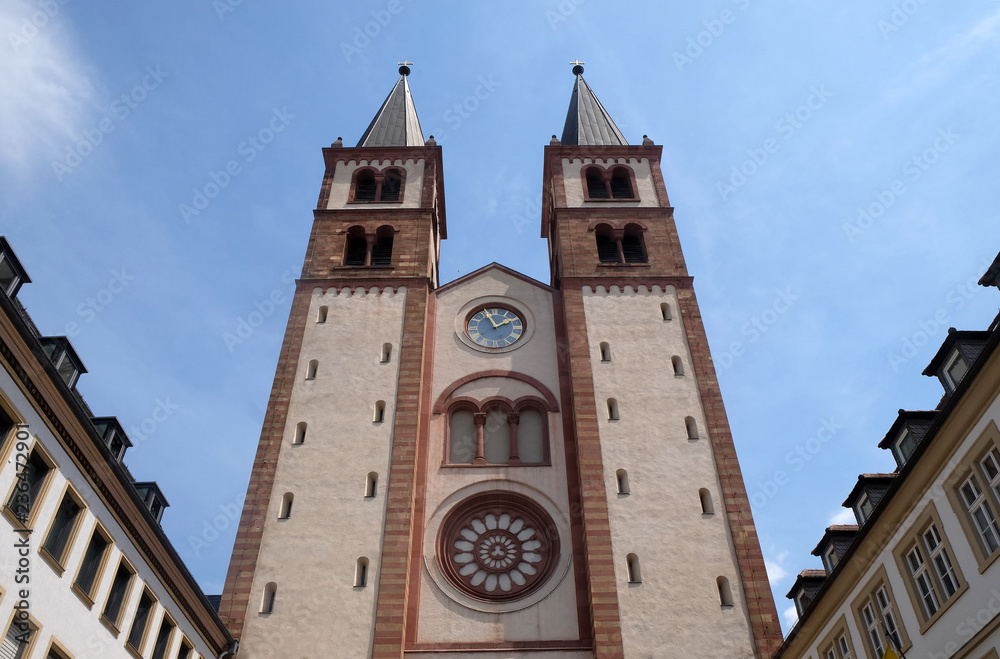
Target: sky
pixel 832 166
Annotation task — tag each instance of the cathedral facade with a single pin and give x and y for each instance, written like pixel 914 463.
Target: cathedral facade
pixel 496 467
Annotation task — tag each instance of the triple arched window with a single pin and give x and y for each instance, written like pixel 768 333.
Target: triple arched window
pixel 369 249
pixel 620 245
pixel 371 185
pixel 614 183
pixel 497 433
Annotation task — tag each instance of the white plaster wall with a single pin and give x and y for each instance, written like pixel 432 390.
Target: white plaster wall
pixel 675 612
pixel 53 604
pixel 953 629
pixel 312 556
pixel 573 181
pixel 554 617
pixel 341 186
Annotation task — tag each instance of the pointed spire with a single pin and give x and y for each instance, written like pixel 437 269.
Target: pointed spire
pixel 396 122
pixel 587 122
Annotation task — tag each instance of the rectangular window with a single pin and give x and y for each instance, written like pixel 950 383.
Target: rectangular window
pixel 865 508
pixel 163 638
pixel 922 578
pixel 939 558
pixel 830 558
pixel 64 526
pixel 137 633
pixel 905 446
pixel 838 645
pixel 872 626
pixel 981 512
pixel 32 477
pixel 877 617
pixel 94 559
pixel 186 650
pixel 991 468
pixel 18 640
pixel 974 494
pixel 120 589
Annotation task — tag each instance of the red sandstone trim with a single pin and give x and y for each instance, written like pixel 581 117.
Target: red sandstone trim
pixel 523 646
pixel 763 615
pixel 243 565
pixel 379 175
pixel 442 402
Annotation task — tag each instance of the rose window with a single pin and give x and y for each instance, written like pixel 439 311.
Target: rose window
pixel 498 546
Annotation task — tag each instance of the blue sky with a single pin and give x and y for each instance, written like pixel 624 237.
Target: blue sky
pixel 780 123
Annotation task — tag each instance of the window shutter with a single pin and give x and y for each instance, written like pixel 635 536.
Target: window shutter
pixel 11 647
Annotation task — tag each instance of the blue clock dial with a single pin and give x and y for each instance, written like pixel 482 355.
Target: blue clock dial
pixel 495 327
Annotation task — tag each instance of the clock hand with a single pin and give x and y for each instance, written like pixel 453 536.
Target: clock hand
pixel 503 323
pixel 490 316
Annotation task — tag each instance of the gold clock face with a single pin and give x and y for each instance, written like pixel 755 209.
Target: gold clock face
pixel 495 327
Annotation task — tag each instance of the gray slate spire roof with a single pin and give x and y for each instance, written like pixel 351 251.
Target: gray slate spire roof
pixel 396 122
pixel 587 122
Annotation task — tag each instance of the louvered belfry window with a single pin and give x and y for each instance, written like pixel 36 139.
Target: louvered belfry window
pixel 365 186
pixel 596 186
pixel 632 245
pixel 621 184
pixel 607 246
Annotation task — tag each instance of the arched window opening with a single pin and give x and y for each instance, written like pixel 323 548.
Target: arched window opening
pixel 633 248
pixel 607 246
pixel 462 437
pixel 706 502
pixel 596 187
pixel 286 506
pixel 725 592
pixel 531 436
pixel 300 433
pixel 379 412
pixel 321 315
pixel 365 186
pixel 267 601
pixel 605 352
pixel 665 311
pixel 678 366
pixel 371 485
pixel 621 184
pixel 382 249
pixel 311 370
pixel 496 437
pixel 632 567
pixel 391 185
pixel 612 409
pixel 361 573
pixel 621 476
pixel 692 427
pixel 357 247
pixel 386 353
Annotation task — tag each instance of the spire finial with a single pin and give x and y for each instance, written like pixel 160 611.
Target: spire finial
pixel 577 67
pixel 404 68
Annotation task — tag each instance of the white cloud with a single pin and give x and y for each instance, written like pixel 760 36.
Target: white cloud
pixel 46 90
pixel 775 569
pixel 844 516
pixel 790 616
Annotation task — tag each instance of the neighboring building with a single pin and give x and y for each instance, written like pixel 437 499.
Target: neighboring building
pixel 85 569
pixel 919 572
pixel 496 467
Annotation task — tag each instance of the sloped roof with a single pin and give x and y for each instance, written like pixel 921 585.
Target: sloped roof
pixel 396 122
pixel 587 122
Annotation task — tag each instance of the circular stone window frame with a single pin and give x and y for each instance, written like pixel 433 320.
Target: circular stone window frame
pixel 471 307
pixel 433 564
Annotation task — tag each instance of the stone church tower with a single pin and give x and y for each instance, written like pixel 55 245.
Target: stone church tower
pixel 496 467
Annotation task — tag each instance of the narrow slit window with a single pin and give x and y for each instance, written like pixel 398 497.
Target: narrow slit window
pixel 665 311
pixel 267 601
pixel 311 370
pixel 621 476
pixel 605 352
pixel 321 315
pixel 675 361
pixel 371 485
pixel 692 427
pixel 725 592
pixel 632 567
pixel 300 433
pixel 386 353
pixel 612 409
pixel 707 508
pixel 379 412
pixel 286 506
pixel 361 573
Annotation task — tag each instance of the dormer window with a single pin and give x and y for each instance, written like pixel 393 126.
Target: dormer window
pixel 614 184
pixel 954 370
pixel 384 186
pixel 830 558
pixel 153 498
pixel 12 274
pixel 904 446
pixel 113 435
pixel 64 358
pixel 801 602
pixel 863 510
